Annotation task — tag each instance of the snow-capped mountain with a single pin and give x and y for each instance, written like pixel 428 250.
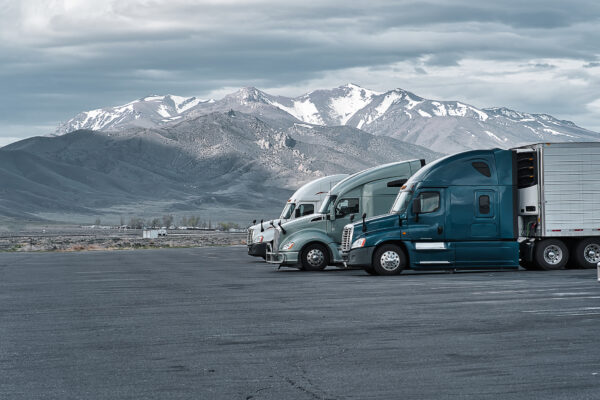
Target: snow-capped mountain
pixel 146 112
pixel 327 107
pixel 443 126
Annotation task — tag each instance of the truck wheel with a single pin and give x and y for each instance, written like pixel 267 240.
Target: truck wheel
pixel 370 269
pixel 315 257
pixel 587 253
pixel 551 254
pixel 529 265
pixel 389 259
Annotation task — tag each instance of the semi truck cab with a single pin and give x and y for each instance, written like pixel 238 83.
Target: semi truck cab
pixel 305 201
pixel 457 212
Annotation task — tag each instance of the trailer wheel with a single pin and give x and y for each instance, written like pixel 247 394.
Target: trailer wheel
pixel 587 253
pixel 551 254
pixel 389 259
pixel 315 257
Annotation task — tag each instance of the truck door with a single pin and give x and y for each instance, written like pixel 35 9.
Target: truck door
pixel 348 205
pixel 478 246
pixel 428 230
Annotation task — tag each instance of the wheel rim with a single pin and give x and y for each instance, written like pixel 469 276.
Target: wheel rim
pixel 390 260
pixel 553 254
pixel 591 253
pixel 315 258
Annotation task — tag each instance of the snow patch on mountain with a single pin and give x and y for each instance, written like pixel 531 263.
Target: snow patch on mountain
pixel 482 116
pixel 163 111
pixel 491 134
pixel 459 111
pixel 356 98
pixel 304 110
pixel 411 103
pixel 386 103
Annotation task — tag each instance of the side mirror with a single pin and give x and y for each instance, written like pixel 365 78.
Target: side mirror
pixel 364 224
pixel 297 213
pixel 331 215
pixel 352 218
pixel 416 208
pixel 254 222
pixel 281 227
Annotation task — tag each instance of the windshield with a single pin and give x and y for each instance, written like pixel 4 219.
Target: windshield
pixel 288 211
pixel 327 204
pixel 401 202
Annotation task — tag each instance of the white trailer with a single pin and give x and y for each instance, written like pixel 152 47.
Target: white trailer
pixel 304 201
pixel 559 204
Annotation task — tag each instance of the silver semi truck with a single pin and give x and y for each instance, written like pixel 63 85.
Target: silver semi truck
pixel 305 201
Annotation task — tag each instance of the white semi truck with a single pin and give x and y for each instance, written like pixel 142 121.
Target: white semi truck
pixel 304 201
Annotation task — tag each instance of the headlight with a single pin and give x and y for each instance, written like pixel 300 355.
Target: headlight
pixel 260 239
pixel 287 246
pixel 358 243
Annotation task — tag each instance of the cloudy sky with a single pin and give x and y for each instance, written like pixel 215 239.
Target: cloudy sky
pixel 60 57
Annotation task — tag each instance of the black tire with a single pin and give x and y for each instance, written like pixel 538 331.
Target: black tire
pixel 551 254
pixel 370 269
pixel 314 257
pixel 389 259
pixel 587 253
pixel 529 265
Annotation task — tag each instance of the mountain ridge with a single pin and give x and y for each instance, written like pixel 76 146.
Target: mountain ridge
pixel 443 125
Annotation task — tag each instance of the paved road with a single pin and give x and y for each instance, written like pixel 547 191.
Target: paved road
pixel 213 323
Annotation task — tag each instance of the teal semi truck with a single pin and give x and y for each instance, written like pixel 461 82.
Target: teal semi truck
pixel 312 242
pixel 537 206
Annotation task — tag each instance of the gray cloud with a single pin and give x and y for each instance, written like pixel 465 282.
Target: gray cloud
pixel 62 58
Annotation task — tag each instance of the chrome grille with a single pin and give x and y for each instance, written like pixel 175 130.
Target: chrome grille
pixel 347 237
pixel 249 236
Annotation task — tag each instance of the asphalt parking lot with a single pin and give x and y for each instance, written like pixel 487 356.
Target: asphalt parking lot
pixel 214 323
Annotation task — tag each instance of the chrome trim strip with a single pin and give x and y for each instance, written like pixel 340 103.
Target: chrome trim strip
pixel 434 262
pixel 430 246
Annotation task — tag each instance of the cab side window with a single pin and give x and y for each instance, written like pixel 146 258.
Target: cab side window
pixel 305 209
pixel 347 206
pixel 484 204
pixel 430 201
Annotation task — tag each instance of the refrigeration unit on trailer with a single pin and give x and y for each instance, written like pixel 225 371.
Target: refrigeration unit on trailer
pixel 311 243
pixel 305 201
pixel 538 205
pixel 559 204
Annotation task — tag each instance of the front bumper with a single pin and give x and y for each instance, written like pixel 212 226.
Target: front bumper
pixel 281 257
pixel 359 257
pixel 257 250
